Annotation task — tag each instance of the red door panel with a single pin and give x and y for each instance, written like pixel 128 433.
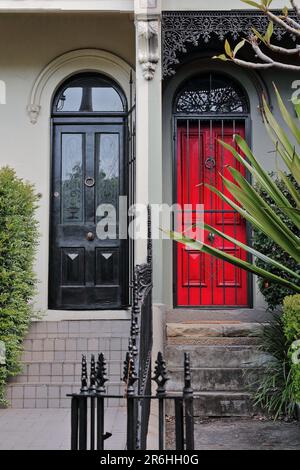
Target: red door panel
pixel 203 280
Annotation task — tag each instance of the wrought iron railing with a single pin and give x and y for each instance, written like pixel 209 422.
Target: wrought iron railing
pixel 141 340
pixel 88 410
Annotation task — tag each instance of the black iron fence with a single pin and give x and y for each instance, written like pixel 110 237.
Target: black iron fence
pixel 88 406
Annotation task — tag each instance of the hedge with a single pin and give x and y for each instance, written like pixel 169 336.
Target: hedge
pixel 273 292
pixel 18 241
pixel 291 319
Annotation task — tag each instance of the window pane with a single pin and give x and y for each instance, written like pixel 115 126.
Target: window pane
pixel 72 178
pixel 89 94
pixel 108 169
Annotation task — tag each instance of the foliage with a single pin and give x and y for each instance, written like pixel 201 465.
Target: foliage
pixel 269 54
pixel 291 319
pixel 273 292
pixel 274 392
pixel 18 240
pixel 247 201
pixel 291 315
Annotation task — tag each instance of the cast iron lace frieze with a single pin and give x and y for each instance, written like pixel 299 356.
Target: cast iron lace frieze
pixel 181 29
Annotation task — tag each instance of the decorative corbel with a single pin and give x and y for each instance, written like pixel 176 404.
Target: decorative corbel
pixel 148 50
pixel 33 112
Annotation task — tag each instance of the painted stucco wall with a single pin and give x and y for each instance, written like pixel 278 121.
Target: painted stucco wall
pixel 27 44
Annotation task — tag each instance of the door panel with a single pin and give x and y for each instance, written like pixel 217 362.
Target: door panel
pixel 202 280
pixel 88 170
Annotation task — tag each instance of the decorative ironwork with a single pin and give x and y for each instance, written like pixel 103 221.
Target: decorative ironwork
pixel 160 375
pixel 183 29
pixel 88 412
pixel 211 94
pixel 84 376
pixel 93 374
pixel 101 377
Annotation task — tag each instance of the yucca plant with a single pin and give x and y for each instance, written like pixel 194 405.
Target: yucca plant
pixel 248 202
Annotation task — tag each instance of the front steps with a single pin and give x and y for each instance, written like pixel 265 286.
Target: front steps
pixel 225 362
pixel 51 361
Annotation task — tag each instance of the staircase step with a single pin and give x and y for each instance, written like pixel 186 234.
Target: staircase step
pixel 212 341
pixel 212 330
pixel 53 395
pixel 216 356
pixel 219 404
pixel 213 379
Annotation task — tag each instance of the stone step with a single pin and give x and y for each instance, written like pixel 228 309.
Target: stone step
pixel 213 341
pixel 219 404
pixel 37 395
pixel 61 372
pixel 216 356
pixel 212 330
pixel 216 379
pixel 78 328
pixel 71 349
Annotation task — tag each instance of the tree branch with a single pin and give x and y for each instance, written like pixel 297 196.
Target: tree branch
pixel 283 50
pixel 295 7
pixel 282 23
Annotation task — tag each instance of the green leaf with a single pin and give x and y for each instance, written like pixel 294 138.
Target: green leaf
pixel 289 120
pixel 209 250
pixel 228 49
pixel 253 4
pixel 238 47
pixel 221 57
pixel 252 251
pixel 269 32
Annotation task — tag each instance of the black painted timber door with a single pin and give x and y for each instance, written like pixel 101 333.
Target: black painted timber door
pixel 88 169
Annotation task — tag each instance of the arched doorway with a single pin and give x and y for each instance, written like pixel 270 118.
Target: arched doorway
pixel 89 122
pixel 208 108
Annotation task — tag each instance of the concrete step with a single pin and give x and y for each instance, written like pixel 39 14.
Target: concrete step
pixel 213 341
pixel 52 395
pixel 61 372
pixel 216 379
pixel 219 404
pixel 212 330
pixel 215 356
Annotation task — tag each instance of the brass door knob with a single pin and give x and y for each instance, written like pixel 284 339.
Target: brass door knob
pixel 90 236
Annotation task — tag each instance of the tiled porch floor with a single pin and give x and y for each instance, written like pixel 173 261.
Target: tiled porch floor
pixel 49 429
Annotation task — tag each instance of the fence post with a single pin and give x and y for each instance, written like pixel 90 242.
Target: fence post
pixel 101 379
pixel 83 406
pixel 188 396
pixel 92 390
pixel 74 423
pixel 161 378
pixel 130 378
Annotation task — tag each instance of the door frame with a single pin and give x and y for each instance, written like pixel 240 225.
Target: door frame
pixel 248 134
pixel 121 118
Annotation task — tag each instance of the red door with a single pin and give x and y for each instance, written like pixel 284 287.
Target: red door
pixel 203 280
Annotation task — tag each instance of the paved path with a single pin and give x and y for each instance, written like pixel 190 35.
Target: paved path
pixel 243 434
pixel 49 429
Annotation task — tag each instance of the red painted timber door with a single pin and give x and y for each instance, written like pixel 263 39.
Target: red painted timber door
pixel 203 280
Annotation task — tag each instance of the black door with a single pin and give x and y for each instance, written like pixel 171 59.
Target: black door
pixel 88 170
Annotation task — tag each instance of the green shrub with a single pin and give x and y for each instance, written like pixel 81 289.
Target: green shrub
pixel 18 241
pixel 275 293
pixel 291 319
pixel 291 316
pixel 274 392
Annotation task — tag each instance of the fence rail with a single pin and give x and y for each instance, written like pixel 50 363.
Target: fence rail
pixel 88 410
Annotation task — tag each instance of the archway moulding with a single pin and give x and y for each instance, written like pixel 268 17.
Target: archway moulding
pixel 68 64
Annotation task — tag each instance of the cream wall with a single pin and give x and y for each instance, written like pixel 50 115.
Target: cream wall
pixel 27 44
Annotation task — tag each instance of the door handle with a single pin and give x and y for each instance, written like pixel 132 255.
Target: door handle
pixel 211 237
pixel 90 236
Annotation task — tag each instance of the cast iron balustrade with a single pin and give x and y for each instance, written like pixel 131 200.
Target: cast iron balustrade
pixel 88 415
